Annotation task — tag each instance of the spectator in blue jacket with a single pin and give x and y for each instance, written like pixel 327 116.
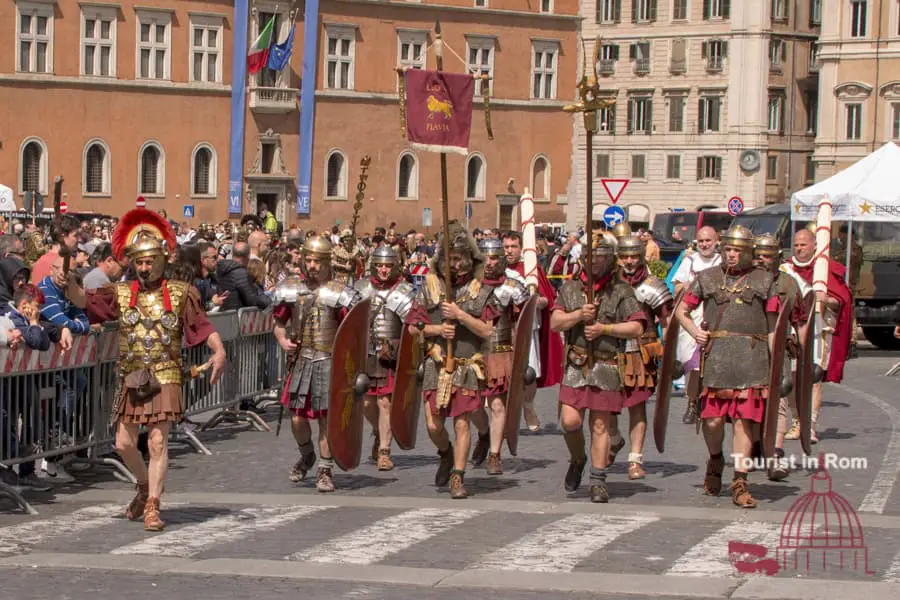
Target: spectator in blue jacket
pixel 56 308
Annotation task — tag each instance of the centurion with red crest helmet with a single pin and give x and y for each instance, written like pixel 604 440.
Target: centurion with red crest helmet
pixel 156 317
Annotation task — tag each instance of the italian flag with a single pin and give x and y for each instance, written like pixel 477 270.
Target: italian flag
pixel 259 51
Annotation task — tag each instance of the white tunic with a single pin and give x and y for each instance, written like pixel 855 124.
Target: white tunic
pixel 686 274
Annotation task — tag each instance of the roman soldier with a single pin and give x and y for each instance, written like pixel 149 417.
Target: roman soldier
pixel 546 355
pixel 509 296
pixel 156 317
pixel 459 320
pixel 767 253
pixel 642 355
pixel 595 335
pixel 313 307
pixel 392 298
pixel 833 324
pixel 347 259
pixel 740 308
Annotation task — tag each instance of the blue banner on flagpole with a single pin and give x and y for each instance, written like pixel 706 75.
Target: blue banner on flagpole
pixel 307 105
pixel 238 102
pixel 280 54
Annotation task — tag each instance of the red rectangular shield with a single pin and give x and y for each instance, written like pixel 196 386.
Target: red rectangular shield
pixel 439 110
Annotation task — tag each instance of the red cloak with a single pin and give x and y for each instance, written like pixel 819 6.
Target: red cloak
pixel 551 346
pixel 842 337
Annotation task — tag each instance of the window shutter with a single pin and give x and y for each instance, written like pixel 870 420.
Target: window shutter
pixel 634 11
pixel 706 9
pixel 611 126
pixel 653 7
pixel 632 51
pixel 678 49
pixel 787 10
pixel 715 107
pixel 724 49
pixel 699 168
pixel 630 124
pixel 704 49
pixel 772 8
pixel 701 115
pixel 726 9
pixel 599 11
pixel 717 165
pixel 648 117
pixel 615 52
pixel 617 13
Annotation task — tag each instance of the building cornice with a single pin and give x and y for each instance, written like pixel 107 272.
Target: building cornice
pixel 356 96
pixel 112 83
pixel 724 34
pixel 445 8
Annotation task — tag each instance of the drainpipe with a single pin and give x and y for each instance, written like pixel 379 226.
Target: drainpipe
pixel 877 75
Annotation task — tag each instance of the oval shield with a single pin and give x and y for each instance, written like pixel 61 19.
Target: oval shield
pixel 516 393
pixel 407 397
pixel 666 375
pixel 776 366
pixel 345 406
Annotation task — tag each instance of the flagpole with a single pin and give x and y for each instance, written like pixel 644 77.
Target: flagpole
pixel 445 209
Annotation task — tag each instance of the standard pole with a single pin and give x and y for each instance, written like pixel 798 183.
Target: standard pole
pixel 445 209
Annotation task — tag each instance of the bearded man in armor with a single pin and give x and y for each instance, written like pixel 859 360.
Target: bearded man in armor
pixel 156 316
pixel 642 356
pixel 347 259
pixel 509 296
pixel 767 254
pixel 392 299
pixel 595 337
pixel 740 309
pixel 462 319
pixel 307 313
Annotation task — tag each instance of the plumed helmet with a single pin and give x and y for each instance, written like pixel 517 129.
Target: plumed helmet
pixel 491 247
pixel 621 230
pixel 317 247
pixel 766 244
pixel 738 236
pixel 631 245
pixel 143 233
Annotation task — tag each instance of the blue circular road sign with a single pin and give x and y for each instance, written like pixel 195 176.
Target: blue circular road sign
pixel 614 215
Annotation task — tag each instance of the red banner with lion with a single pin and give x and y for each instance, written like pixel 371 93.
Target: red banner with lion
pixel 438 110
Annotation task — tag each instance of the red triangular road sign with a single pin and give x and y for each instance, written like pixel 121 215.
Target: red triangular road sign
pixel 614 188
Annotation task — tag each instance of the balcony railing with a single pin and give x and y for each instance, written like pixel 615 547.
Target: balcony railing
pixel 273 99
pixel 642 66
pixel 606 67
pixel 775 67
pixel 678 65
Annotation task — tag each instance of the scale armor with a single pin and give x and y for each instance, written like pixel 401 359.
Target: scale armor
pixel 739 359
pixel 615 304
pixel 510 293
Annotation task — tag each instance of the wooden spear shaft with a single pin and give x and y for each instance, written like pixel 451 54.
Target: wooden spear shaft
pixel 445 209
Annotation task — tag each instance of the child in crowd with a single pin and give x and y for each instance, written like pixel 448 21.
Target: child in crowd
pixel 25 315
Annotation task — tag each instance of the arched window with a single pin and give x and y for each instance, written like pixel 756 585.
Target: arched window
pixel 33 176
pixel 96 168
pixel 475 178
pixel 203 171
pixel 407 177
pixel 540 178
pixel 336 175
pixel 152 170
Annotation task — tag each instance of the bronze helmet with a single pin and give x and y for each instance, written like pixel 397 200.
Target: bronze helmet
pixel 766 245
pixel 631 245
pixel 621 230
pixel 738 236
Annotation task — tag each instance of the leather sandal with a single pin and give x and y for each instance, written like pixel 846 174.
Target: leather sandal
pixel 152 520
pixel 138 504
pixel 712 483
pixel 740 494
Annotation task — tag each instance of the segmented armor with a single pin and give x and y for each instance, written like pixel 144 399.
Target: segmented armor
pixel 389 309
pixel 511 293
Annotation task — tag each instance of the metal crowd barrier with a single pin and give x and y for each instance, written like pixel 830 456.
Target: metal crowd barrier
pixel 58 406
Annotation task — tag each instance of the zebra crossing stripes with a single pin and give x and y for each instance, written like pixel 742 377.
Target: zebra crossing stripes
pixel 709 558
pixel 892 575
pixel 386 537
pixel 189 541
pixel 17 539
pixel 559 546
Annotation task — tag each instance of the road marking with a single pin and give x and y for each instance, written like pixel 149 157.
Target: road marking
pixel 559 546
pixel 189 541
pixel 883 485
pixel 892 575
pixel 709 558
pixel 20 538
pixel 385 537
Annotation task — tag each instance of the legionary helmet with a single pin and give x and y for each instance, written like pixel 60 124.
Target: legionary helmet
pixel 631 245
pixel 741 238
pixel 142 233
pixel 494 247
pixel 384 255
pixel 621 230
pixel 604 247
pixel 766 245
pixel 463 243
pixel 317 247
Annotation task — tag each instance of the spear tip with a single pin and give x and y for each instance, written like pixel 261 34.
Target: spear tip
pixel 437 27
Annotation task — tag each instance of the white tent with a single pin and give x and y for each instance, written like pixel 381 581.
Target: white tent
pixel 7 199
pixel 866 191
